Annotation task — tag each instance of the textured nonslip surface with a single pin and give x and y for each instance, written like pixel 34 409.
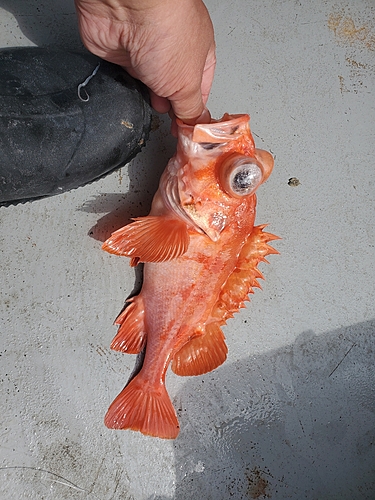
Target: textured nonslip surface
pixel 291 414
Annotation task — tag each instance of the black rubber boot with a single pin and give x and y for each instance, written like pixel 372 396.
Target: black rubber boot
pixel 66 119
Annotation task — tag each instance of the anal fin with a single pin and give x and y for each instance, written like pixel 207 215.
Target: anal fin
pixel 131 336
pixel 201 354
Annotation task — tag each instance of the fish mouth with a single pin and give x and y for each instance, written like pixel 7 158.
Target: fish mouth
pixel 220 131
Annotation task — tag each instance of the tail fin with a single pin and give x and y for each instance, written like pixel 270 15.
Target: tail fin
pixel 145 408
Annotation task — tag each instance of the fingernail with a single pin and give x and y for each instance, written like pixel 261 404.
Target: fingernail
pixel 205 117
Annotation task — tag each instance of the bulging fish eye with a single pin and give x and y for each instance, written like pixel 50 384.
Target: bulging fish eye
pixel 240 175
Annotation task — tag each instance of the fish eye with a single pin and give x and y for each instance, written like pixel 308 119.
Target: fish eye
pixel 246 178
pixel 240 175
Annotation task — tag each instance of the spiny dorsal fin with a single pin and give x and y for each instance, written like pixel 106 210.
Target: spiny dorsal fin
pixel 245 275
pixel 150 239
pixel 201 354
pixel 131 336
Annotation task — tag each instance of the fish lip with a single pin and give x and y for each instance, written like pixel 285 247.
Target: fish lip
pixel 217 131
pixel 223 121
pixel 182 124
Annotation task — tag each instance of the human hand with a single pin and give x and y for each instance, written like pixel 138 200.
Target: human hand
pixel 168 45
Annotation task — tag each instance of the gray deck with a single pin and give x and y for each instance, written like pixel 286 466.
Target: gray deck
pixel 290 415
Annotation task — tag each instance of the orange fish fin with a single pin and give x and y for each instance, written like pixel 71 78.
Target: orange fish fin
pixel 131 336
pixel 150 239
pixel 141 407
pixel 201 354
pixel 245 275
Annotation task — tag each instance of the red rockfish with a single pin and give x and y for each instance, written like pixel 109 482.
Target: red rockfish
pixel 201 252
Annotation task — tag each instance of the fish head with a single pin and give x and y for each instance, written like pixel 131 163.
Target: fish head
pixel 219 172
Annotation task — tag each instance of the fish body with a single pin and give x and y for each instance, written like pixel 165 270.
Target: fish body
pixel 200 251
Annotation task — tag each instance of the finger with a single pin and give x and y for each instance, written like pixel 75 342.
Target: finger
pixel 207 79
pixel 187 103
pixel 205 117
pixel 160 104
pixel 190 106
pixel 189 110
pixel 174 127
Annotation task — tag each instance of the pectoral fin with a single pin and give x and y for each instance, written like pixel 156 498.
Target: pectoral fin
pixel 150 239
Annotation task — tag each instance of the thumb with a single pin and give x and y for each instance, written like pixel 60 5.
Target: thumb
pixel 204 117
pixel 188 107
